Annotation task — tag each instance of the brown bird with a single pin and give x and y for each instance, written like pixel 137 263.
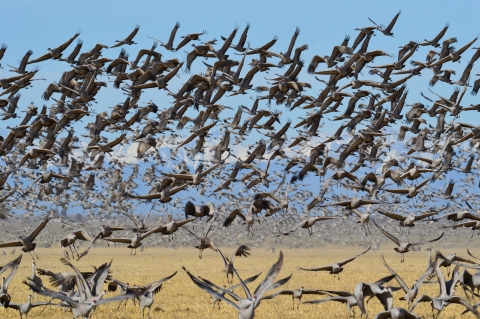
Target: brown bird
pixel 205 242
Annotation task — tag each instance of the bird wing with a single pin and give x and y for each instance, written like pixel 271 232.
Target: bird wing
pixel 119 240
pixel 129 295
pixel 438 238
pixel 281 292
pixel 81 281
pixel 11 265
pixel 188 177
pixel 321 268
pixel 392 215
pixel 37 230
pixel 116 141
pixel 83 235
pixel 353 258
pixel 269 279
pixel 11 244
pixel 231 217
pixel 397 191
pixel 154 286
pixel 471 216
pixel 244 286
pixel 191 232
pixel 202 285
pixel 63 46
pixel 50 293
pixel 242 250
pixel 389 236
pixel 44 57
pixel 183 222
pixel 397 277
pixel 463 302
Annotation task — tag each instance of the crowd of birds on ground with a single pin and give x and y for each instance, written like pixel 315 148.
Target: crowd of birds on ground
pixel 358 168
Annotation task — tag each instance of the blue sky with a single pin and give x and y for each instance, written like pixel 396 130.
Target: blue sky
pixel 38 25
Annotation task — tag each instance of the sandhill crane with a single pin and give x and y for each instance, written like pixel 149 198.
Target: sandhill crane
pixel 296 294
pixel 80 309
pixel 196 178
pixel 105 232
pixel 445 297
pixel 189 37
pixel 25 308
pixel 205 242
pixel 475 225
pixel 353 203
pixel 249 220
pixel 343 296
pixel 447 262
pixel 364 219
pixel 307 223
pixel 70 239
pixel 34 153
pixel 128 40
pixel 146 297
pixel 223 290
pixel 34 276
pixel 460 215
pixel 410 293
pixel 123 287
pixel 13 267
pixel 55 53
pixel 468 280
pixel 336 268
pixel 64 281
pixel 171 227
pixel 134 242
pixel 246 306
pixel 199 210
pixel 388 29
pixel 169 45
pixel 408 221
pixel 402 247
pixel 382 292
pixel 241 250
pixel 27 241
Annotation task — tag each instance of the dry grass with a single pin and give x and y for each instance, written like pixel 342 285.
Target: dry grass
pixel 180 298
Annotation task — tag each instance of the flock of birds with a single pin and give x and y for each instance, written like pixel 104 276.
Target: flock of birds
pixel 49 151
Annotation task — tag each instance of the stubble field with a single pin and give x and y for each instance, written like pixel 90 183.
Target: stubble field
pixel 180 298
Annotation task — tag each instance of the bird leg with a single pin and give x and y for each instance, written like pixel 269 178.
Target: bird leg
pixel 293 300
pixel 71 250
pixel 200 254
pixel 76 251
pixel 31 254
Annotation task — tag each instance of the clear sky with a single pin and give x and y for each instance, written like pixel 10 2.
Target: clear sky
pixel 37 25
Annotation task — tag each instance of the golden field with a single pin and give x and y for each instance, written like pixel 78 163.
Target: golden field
pixel 180 298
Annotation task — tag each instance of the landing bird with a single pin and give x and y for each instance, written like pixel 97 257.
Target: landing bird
pixel 13 267
pixel 26 242
pixel 403 246
pixel 336 268
pixel 70 239
pixel 296 294
pixel 246 306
